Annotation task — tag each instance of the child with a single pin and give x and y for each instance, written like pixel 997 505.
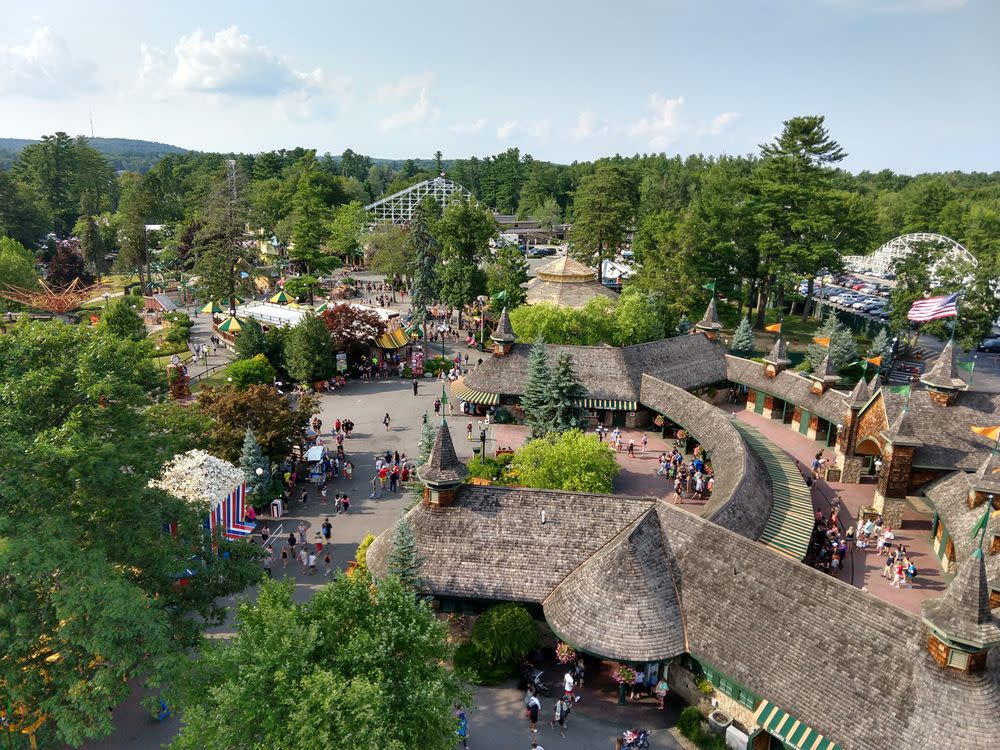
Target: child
pixel 346 502
pixel 326 562
pixel 322 493
pixel 312 563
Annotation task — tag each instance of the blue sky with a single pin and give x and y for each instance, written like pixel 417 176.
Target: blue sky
pixel 911 85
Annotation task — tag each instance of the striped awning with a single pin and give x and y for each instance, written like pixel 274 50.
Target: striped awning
pixel 464 393
pixel 790 730
pixel 606 404
pixel 394 339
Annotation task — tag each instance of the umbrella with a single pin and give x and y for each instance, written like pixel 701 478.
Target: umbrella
pixel 238 300
pixel 211 307
pixel 281 298
pixel 230 325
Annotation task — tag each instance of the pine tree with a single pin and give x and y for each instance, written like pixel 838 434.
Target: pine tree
pixel 743 342
pixel 427 434
pixel 535 401
pixel 404 561
pixel 563 395
pixel 424 248
pixel 252 459
pixel 842 348
pixel 881 345
pixel 684 325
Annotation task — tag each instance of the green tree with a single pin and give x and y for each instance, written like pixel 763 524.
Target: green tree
pixel 505 633
pixel 309 351
pixel 346 230
pixel 425 251
pixel 405 562
pixel 572 461
pixel 251 459
pixel 225 259
pixel 603 210
pixel 637 319
pixel 16 267
pixel 120 319
pixel 390 252
pixel 91 238
pixel 535 400
pixel 251 341
pixel 361 558
pixel 843 349
pixel 743 342
pixel 355 666
pixel 22 215
pixel 463 232
pixel 89 574
pixel 547 214
pixel 261 408
pixel 881 346
pixel 505 273
pixel 309 231
pixel 303 287
pixel 564 393
pixel 256 370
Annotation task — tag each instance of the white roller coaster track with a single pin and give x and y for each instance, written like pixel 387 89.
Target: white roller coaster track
pixel 398 207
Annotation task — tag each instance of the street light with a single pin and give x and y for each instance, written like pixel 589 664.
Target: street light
pixel 107 296
pixel 442 328
pixel 259 472
pixel 482 299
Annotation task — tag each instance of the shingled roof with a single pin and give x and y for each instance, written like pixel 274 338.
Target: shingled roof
pixel 503 333
pixel 947 442
pixel 790 386
pixel 639 554
pixel 900 430
pixel 710 320
pixel 767 622
pixel 611 373
pixel 963 613
pixel 860 396
pixel 944 373
pixel 562 294
pixel 741 498
pixel 825 372
pixel 443 466
pixel 778 355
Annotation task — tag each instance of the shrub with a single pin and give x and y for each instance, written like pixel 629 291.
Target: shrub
pixel 361 555
pixel 475 666
pixel 254 371
pixel 485 467
pixel 689 723
pixel 436 365
pixel 505 633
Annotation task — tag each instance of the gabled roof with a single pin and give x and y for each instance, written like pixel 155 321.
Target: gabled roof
pixel 963 613
pixel 789 386
pixel 778 355
pixel 640 555
pixel 443 466
pixel 900 430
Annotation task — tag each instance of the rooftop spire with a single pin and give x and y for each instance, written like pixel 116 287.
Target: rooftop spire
pixel 443 467
pixel 860 395
pixel 504 333
pixel 943 376
pixel 710 320
pixel 825 372
pixel 900 431
pixel 778 355
pixel 963 613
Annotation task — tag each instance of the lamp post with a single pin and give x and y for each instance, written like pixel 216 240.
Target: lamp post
pixel 442 329
pixel 259 472
pixel 482 299
pixel 107 296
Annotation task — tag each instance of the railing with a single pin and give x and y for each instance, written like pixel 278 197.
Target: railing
pixel 208 371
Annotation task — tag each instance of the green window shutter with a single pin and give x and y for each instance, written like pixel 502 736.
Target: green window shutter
pixel 726 686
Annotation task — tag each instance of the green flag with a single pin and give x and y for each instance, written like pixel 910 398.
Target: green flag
pixel 444 397
pixel 901 389
pixel 980 526
pixel 968 366
pixel 709 286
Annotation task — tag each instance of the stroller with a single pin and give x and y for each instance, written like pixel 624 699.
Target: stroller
pixel 635 739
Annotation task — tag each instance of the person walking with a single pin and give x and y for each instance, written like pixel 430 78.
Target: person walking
pixel 386 420
pixel 414 386
pixel 269 561
pixel 559 715
pixel 644 442
pixel 376 487
pixel 661 689
pixel 569 685
pixel 284 558
pixel 631 448
pixel 463 726
pixel 312 563
pixel 327 528
pixel 534 706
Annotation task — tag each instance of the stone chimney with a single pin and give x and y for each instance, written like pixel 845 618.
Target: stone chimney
pixel 709 324
pixel 443 473
pixel 777 359
pixel 824 377
pixel 503 337
pixel 962 629
pixel 894 477
pixel 942 381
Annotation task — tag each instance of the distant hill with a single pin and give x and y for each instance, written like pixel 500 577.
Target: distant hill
pixel 126 154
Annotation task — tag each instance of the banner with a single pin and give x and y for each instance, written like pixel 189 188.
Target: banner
pixel 993 433
pixel 775 328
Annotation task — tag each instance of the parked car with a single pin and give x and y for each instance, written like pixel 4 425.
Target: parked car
pixel 991 346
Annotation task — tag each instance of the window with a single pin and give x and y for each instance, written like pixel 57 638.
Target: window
pixel 995 544
pixel 749 700
pixel 726 686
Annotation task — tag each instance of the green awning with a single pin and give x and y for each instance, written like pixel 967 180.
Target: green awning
pixel 790 730
pixel 606 404
pixel 464 393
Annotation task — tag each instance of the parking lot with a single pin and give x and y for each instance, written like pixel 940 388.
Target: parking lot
pixel 869 298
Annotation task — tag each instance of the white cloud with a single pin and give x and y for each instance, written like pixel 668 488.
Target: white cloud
pixel 420 111
pixel 540 129
pixel 506 129
pixel 45 68
pixel 587 125
pixel 723 121
pixel 468 127
pixel 232 63
pixel 663 126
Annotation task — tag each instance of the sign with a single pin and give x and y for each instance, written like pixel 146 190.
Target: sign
pixel 341 362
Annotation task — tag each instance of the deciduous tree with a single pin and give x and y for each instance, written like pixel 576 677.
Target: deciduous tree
pixel 350 328
pixel 572 461
pixel 309 351
pixel 603 211
pixel 120 319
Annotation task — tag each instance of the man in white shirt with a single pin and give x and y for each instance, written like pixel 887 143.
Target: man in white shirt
pixel 568 684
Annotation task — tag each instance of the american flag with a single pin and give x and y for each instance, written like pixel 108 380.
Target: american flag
pixel 228 515
pixel 933 308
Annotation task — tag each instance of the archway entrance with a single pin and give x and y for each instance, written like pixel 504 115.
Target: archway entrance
pixel 871 453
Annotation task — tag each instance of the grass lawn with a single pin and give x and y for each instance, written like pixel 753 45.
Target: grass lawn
pixel 215 379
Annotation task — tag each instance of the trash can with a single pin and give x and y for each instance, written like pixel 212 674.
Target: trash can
pixel 276 508
pixel 719 721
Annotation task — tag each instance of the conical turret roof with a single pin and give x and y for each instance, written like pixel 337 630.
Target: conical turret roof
pixel 710 320
pixel 876 385
pixel 825 372
pixel 860 395
pixel 443 466
pixel 504 333
pixel 778 355
pixel 944 374
pixel 963 613
pixel 987 476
